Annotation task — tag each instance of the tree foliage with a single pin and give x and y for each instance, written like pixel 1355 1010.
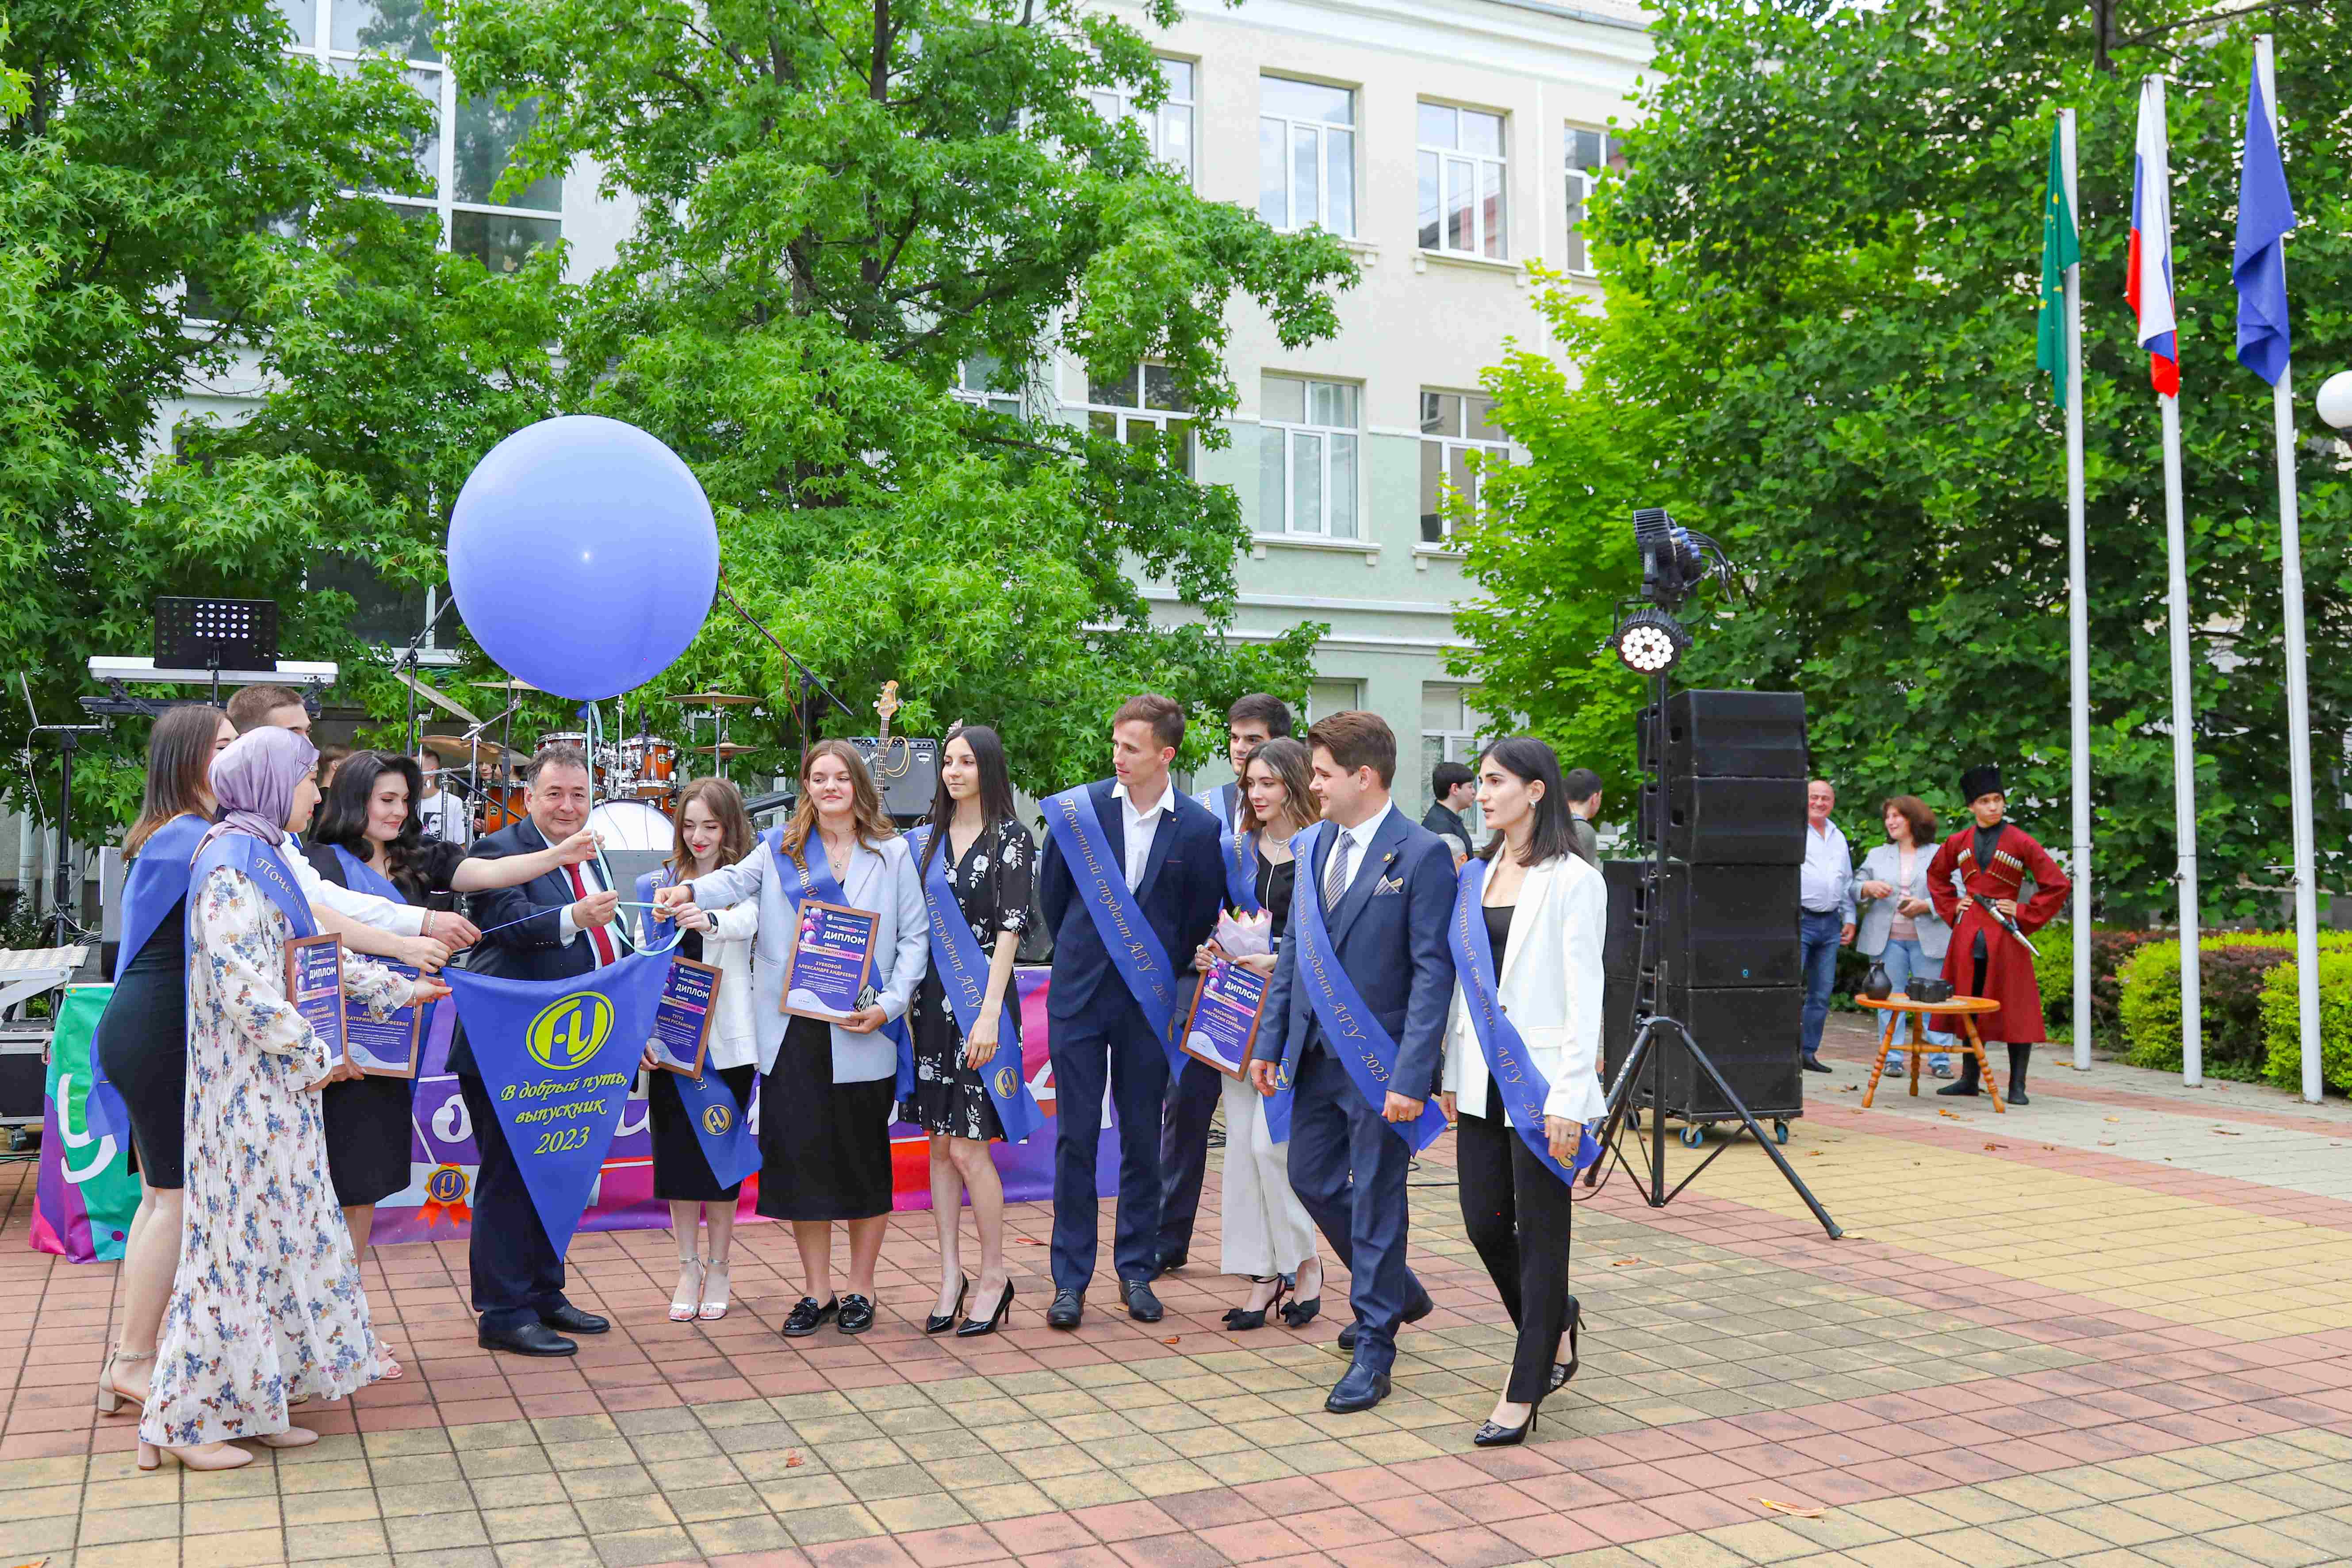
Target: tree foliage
pixel 1821 285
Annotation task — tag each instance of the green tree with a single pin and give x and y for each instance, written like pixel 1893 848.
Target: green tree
pixel 842 208
pixel 1821 273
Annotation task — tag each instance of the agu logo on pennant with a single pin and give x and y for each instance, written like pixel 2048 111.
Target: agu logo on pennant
pixel 568 1030
pixel 716 1120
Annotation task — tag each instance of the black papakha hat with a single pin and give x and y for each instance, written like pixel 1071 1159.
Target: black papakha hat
pixel 1981 779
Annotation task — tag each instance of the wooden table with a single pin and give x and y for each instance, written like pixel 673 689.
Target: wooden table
pixel 1967 1009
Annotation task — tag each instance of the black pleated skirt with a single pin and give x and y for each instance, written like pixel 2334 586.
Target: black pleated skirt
pixel 143 1043
pixel 368 1141
pixel 824 1147
pixel 681 1172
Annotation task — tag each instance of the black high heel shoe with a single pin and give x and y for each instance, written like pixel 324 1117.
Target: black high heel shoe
pixel 972 1328
pixel 1490 1436
pixel 1561 1372
pixel 938 1323
pixel 1240 1318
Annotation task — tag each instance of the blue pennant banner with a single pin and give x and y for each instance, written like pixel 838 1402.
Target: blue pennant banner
pixel 558 1058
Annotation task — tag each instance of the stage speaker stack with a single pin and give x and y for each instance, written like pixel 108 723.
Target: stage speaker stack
pixel 1728 798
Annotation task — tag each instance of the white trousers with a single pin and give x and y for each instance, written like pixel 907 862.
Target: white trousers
pixel 1266 1230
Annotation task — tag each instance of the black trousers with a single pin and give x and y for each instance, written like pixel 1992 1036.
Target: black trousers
pixel 1190 1106
pixel 1518 1213
pixel 517 1273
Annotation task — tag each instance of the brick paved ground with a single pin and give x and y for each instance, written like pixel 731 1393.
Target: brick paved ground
pixel 2112 1328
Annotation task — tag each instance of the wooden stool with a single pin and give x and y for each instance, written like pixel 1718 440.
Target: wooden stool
pixel 1965 1008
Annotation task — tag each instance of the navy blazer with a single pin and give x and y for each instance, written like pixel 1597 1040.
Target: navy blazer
pixel 1390 932
pixel 1183 890
pixel 531 951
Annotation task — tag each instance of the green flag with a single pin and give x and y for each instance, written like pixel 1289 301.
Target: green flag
pixel 2061 248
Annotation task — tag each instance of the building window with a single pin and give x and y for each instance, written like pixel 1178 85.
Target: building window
pixel 1143 408
pixel 1589 152
pixel 1169 128
pixel 1449 733
pixel 1453 425
pixel 455 165
pixel 1462 184
pixel 1324 698
pixel 973 385
pixel 1308 458
pixel 1306 155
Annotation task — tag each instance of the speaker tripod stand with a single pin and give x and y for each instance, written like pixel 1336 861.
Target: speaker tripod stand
pixel 1658 1033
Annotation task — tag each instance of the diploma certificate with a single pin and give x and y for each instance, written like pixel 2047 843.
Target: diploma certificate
pixel 831 954
pixel 1224 1017
pixel 314 983
pixel 681 1034
pixel 385 1047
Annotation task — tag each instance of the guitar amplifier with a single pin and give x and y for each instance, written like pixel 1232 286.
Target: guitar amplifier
pixel 906 770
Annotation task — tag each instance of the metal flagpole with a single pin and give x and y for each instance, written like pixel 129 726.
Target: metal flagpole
pixel 2298 680
pixel 2078 613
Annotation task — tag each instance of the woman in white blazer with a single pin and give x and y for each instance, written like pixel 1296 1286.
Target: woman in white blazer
pixel 827 1089
pixel 712 831
pixel 1545 911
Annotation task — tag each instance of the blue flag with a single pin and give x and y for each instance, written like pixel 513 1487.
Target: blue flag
pixel 2265 215
pixel 558 1058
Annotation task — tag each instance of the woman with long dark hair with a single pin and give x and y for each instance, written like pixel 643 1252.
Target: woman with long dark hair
pixel 1526 932
pixel 713 832
pixel 368 838
pixel 978 867
pixel 142 1037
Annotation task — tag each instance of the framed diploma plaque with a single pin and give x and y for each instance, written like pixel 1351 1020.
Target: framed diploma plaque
pixel 1224 1017
pixel 314 983
pixel 384 1048
pixel 830 957
pixel 682 1018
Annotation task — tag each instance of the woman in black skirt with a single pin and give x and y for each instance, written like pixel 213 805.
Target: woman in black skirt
pixel 366 837
pixel 990 862
pixel 142 1037
pixel 713 830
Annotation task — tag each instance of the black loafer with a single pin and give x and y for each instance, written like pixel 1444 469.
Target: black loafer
pixel 1413 1314
pixel 1068 1306
pixel 807 1315
pixel 1172 1261
pixel 1361 1389
pixel 1815 1063
pixel 1141 1304
pixel 570 1319
pixel 856 1315
pixel 527 1338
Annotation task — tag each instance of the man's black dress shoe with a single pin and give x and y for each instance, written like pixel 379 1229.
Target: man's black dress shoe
pixel 1068 1306
pixel 1359 1389
pixel 1413 1314
pixel 1141 1304
pixel 856 1315
pixel 1172 1261
pixel 572 1320
pixel 807 1315
pixel 527 1338
pixel 1815 1063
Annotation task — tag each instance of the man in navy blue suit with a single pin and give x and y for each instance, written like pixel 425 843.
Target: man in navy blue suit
pixel 566 919
pixel 1163 860
pixel 1385 888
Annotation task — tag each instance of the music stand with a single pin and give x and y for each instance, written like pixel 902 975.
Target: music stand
pixel 215 634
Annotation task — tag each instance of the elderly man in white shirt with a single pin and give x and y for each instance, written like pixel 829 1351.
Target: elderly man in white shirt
pixel 1826 923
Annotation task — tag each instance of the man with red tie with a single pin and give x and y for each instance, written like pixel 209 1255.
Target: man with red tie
pixel 554 927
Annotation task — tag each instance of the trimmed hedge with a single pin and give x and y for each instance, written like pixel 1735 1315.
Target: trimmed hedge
pixel 2053 970
pixel 2236 971
pixel 2282 1022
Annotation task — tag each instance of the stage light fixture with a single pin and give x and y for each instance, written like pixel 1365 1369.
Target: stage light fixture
pixel 1650 641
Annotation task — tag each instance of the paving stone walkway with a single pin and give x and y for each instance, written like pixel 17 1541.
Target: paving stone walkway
pixel 2111 1328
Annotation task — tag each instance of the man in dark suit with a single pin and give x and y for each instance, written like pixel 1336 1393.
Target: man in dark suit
pixel 1386 891
pixel 566 917
pixel 1166 852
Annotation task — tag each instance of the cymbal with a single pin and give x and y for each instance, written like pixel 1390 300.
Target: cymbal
pixel 432 695
pixel 460 750
pixel 713 699
pixel 506 686
pixel 725 749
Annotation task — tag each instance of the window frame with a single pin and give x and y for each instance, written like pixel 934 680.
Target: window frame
pixel 1142 412
pixel 1576 189
pixel 1321 217
pixel 1305 427
pixel 1448 447
pixel 1125 98
pixel 1500 162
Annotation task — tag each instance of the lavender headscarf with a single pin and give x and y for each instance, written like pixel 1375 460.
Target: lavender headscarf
pixel 255 781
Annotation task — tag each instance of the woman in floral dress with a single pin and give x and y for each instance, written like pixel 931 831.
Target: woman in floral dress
pixel 266 1308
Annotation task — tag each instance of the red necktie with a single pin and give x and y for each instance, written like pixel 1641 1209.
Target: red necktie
pixel 598 935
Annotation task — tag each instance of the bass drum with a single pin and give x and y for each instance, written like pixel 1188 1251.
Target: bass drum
pixel 632 824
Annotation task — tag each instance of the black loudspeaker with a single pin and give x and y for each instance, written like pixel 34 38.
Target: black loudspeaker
pixel 1620 946
pixel 1733 734
pixel 1729 821
pixel 905 771
pixel 1750 1033
pixel 1717 925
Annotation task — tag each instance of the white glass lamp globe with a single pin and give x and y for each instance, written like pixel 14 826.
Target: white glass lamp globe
pixel 2335 400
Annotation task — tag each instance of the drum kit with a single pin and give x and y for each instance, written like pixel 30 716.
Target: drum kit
pixel 636 779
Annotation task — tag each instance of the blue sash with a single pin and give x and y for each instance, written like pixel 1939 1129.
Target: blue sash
pixel 1133 946
pixel 1356 1037
pixel 962 970
pixel 1241 872
pixel 264 865
pixel 718 1120
pixel 1517 1079
pixel 816 880
pixel 158 878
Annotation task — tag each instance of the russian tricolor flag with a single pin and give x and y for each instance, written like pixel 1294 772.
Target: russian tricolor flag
pixel 2149 286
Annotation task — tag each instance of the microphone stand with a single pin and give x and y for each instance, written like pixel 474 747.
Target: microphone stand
pixel 805 706
pixel 409 656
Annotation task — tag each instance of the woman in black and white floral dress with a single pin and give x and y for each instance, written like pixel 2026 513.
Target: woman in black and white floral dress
pixel 990 862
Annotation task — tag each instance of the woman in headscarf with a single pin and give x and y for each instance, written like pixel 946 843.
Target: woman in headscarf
pixel 265 1309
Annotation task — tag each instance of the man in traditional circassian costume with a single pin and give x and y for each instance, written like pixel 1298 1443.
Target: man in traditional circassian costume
pixel 1994 859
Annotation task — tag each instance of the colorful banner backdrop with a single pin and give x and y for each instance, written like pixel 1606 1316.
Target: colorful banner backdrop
pixel 85 1191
